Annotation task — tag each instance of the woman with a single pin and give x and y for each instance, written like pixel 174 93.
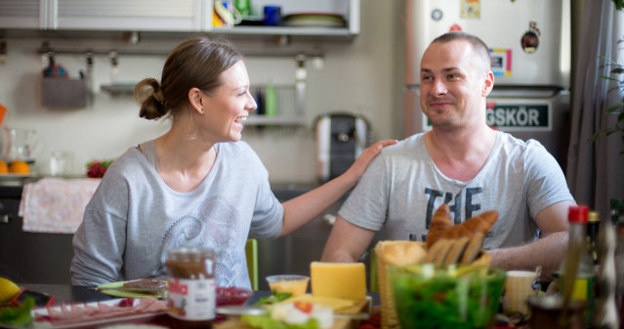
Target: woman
pixel 196 185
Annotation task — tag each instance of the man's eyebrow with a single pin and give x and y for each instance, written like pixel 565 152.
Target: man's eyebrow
pixel 448 69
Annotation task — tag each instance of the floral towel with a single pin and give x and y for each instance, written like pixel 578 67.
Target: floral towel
pixel 55 205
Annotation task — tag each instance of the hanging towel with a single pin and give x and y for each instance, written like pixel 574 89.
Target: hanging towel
pixel 55 205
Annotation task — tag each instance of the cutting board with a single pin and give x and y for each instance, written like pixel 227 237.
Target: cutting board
pixel 364 306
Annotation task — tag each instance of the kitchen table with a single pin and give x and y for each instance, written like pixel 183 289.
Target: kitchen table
pixel 65 293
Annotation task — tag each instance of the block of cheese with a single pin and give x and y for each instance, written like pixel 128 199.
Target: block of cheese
pixel 338 280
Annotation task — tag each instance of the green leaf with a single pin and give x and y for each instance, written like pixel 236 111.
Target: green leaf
pixel 18 316
pixel 275 298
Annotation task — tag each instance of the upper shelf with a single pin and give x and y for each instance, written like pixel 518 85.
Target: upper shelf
pixel 182 16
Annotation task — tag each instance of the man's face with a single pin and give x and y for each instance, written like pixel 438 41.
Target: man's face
pixel 454 81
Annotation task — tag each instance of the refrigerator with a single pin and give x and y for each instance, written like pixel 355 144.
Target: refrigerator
pixel 529 42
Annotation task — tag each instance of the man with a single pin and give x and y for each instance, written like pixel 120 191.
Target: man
pixel 464 163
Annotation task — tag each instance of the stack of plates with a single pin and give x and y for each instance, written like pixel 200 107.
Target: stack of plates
pixel 314 20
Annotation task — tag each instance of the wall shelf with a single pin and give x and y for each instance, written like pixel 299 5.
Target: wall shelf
pixel 116 89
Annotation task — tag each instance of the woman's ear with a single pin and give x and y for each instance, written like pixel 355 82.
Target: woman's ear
pixel 196 100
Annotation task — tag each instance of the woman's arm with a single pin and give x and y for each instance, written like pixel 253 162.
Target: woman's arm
pixel 302 209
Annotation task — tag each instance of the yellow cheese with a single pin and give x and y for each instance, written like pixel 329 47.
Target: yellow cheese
pixel 338 280
pixel 334 303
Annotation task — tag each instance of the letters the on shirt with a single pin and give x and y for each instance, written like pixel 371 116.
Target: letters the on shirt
pixel 457 202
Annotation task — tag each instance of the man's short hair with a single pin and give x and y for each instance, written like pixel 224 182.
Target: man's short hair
pixel 477 44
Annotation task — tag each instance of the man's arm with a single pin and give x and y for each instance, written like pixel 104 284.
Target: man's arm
pixel 548 251
pixel 347 242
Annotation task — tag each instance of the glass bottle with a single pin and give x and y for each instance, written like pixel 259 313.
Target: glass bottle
pixel 593 225
pixel 606 314
pixel 577 263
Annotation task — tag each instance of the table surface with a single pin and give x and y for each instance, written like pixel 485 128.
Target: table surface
pixel 65 293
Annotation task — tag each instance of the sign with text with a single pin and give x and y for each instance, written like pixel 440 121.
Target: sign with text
pixel 519 116
pixel 515 116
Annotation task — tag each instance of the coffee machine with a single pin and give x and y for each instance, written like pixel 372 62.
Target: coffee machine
pixel 340 139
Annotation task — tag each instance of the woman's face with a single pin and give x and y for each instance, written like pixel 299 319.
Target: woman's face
pixel 228 106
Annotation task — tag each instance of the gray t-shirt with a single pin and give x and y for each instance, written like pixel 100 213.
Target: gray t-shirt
pixel 402 188
pixel 134 218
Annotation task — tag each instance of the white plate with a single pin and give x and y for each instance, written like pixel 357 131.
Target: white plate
pixel 130 319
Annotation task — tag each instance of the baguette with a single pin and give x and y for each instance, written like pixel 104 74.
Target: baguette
pixel 472 249
pixel 456 251
pixel 440 223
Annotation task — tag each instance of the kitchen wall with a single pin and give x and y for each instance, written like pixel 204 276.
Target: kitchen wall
pixel 363 76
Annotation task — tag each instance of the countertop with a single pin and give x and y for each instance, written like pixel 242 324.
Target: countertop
pixel 11 187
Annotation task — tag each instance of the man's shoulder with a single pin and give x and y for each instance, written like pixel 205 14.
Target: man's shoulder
pixel 405 146
pixel 514 144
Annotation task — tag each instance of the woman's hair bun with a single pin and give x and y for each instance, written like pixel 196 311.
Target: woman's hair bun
pixel 149 94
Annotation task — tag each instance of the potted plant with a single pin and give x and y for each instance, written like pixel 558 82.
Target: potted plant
pixel 616 74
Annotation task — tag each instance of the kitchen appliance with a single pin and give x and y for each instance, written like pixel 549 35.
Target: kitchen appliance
pixel 340 139
pixel 530 48
pixel 19 144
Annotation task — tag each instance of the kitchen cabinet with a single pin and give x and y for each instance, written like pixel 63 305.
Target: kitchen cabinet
pixel 27 256
pixel 168 16
pixel 130 15
pixel 23 14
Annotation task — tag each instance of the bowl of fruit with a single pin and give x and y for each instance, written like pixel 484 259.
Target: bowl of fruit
pixel 455 297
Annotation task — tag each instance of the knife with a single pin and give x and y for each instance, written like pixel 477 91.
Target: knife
pixel 155 290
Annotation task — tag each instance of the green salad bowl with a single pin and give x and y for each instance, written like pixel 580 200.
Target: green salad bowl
pixel 456 297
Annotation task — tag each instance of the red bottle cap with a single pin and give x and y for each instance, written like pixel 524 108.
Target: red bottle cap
pixel 578 214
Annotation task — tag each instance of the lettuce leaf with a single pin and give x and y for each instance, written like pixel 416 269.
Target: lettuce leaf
pixel 18 316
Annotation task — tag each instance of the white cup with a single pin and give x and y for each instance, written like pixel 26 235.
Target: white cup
pixel 61 163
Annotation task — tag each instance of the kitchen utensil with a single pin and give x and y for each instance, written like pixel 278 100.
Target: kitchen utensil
pixel 314 20
pixel 99 288
pixel 340 138
pixel 20 144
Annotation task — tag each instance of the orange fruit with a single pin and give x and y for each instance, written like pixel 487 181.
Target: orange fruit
pixel 3 167
pixel 19 167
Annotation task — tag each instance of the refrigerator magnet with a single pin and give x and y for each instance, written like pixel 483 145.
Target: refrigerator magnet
pixel 437 14
pixel 501 62
pixel 530 39
pixel 470 9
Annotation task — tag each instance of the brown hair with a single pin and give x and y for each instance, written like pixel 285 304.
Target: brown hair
pixel 196 62
pixel 477 44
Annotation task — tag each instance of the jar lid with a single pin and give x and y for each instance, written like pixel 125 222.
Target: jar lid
pixel 593 216
pixel 578 214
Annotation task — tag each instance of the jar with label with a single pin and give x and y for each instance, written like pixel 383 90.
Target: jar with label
pixel 192 288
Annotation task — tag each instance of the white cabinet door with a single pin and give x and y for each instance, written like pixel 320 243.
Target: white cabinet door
pixel 23 14
pixel 123 15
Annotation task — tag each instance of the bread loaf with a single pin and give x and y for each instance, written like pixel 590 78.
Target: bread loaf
pixel 440 223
